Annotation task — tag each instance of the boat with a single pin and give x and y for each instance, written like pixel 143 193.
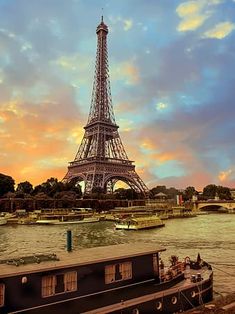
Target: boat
pixel 124 278
pixel 67 219
pixel 81 220
pixel 139 223
pixel 3 221
pixel 181 212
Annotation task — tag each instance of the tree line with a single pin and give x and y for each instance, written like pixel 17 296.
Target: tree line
pixel 53 188
pixel 210 191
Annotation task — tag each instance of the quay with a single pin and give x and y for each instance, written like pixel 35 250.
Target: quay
pixel 223 304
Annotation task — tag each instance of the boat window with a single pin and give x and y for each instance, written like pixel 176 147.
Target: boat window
pixel 70 281
pixel 174 300
pixel 118 272
pixel 2 294
pixel 159 305
pixel 125 270
pixel 193 294
pixel 61 283
pixel 48 286
pixel 109 274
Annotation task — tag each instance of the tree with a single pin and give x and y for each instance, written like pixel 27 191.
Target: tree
pixel 50 187
pixel 189 192
pixel 159 189
pixel 171 192
pixel 74 186
pixel 7 184
pixel 210 191
pixel 25 187
pixel 224 193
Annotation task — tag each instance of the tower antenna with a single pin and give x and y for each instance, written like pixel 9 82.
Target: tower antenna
pixel 102 16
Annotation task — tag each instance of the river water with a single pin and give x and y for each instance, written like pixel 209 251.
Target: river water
pixel 212 235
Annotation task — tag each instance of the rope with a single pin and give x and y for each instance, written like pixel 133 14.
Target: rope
pixel 187 299
pixel 232 265
pixel 200 295
pixel 219 293
pixel 225 272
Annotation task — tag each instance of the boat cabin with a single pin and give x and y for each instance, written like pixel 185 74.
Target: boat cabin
pixel 85 279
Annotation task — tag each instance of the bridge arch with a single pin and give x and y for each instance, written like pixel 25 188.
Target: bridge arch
pixel 214 205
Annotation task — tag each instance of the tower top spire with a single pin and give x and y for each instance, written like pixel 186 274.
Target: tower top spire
pixel 102 26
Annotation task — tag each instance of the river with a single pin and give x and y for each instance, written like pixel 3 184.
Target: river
pixel 212 235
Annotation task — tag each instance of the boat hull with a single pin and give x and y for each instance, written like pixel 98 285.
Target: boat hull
pixel 3 221
pixel 59 222
pixel 134 227
pixel 124 278
pixel 163 300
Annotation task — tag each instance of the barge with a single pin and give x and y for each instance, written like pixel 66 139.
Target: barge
pixel 139 223
pixel 124 278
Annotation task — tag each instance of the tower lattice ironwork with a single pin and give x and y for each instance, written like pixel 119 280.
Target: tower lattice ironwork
pixel 101 159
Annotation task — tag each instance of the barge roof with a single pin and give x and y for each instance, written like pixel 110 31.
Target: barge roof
pixel 80 257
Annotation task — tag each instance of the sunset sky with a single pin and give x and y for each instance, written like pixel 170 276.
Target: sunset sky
pixel 172 72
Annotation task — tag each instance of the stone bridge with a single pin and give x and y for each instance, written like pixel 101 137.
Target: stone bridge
pixel 214 205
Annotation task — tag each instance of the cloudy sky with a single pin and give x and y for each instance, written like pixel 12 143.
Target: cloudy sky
pixel 172 71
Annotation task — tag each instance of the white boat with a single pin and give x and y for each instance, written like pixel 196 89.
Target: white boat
pixel 47 221
pixel 138 223
pixel 64 220
pixel 77 221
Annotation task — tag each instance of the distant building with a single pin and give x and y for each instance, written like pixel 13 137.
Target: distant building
pixel 160 196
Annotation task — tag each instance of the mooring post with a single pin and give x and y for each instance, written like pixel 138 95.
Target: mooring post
pixel 69 240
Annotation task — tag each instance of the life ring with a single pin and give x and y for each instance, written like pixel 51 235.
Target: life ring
pixel 187 260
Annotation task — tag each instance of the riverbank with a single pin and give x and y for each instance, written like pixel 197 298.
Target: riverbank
pixel 222 304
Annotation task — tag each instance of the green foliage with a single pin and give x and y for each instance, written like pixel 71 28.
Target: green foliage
pixel 24 187
pixel 189 192
pixel 159 189
pixel 52 187
pixel 126 194
pixel 224 193
pixel 7 184
pixel 171 192
pixel 74 186
pixel 211 190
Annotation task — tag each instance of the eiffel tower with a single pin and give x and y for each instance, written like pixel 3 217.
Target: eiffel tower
pixel 101 159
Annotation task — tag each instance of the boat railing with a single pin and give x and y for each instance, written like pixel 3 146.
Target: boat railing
pixel 168 273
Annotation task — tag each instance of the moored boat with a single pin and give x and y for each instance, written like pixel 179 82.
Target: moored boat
pixel 3 221
pixel 139 223
pixel 125 278
pixel 78 221
pixel 181 212
pixel 67 219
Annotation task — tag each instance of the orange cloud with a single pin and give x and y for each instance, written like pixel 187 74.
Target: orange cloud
pixel 38 143
pixel 224 175
pixel 125 71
